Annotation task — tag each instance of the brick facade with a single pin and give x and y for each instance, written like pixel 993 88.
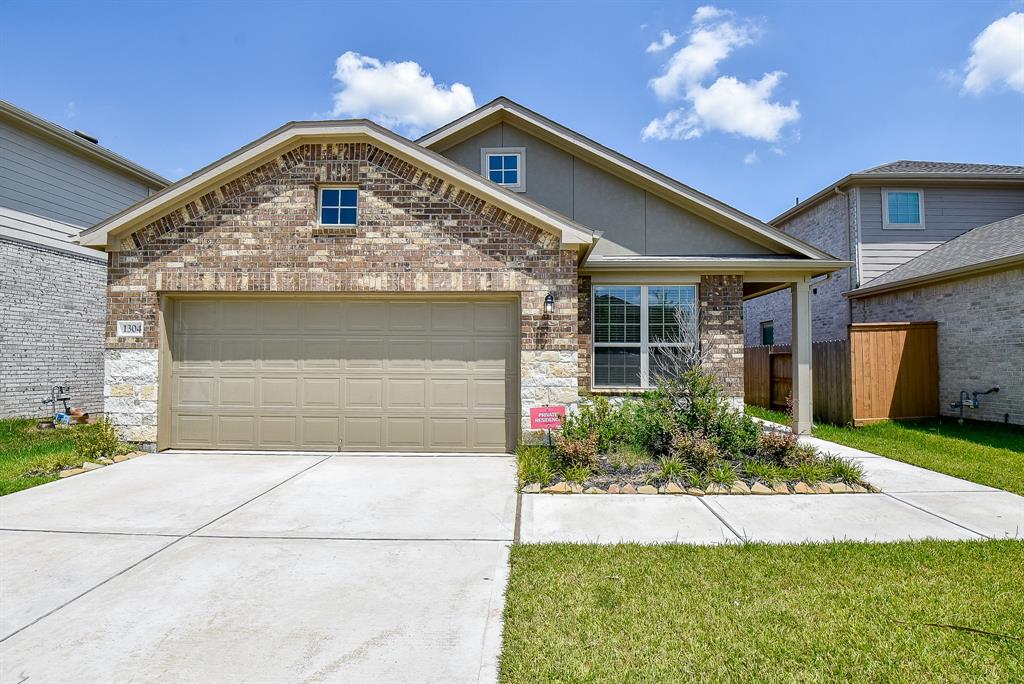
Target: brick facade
pixel 416 233
pixel 981 337
pixel 51 328
pixel 721 331
pixel 826 226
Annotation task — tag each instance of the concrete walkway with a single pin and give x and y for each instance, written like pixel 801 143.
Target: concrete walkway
pixel 214 567
pixel 915 503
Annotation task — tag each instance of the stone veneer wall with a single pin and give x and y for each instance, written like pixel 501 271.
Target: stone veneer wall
pixel 416 233
pixel 721 332
pixel 51 328
pixel 826 226
pixel 981 337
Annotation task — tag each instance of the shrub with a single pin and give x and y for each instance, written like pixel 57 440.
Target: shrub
pixel 577 451
pixel 97 440
pixel 695 450
pixel 774 447
pixel 645 424
pixel 672 469
pixel 810 473
pixel 801 454
pixel 597 418
pixel 695 402
pixel 536 464
pixel 627 456
pixel 577 474
pixel 842 469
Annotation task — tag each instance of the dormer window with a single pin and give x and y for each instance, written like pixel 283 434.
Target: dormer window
pixel 902 209
pixel 505 166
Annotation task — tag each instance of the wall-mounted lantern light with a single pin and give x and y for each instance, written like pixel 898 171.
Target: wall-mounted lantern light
pixel 549 304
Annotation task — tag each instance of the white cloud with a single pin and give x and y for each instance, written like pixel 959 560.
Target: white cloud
pixel 399 95
pixel 728 104
pixel 997 56
pixel 666 41
pixel 751 158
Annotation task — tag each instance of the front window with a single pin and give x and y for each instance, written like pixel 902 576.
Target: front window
pixel 505 166
pixel 339 206
pixel 902 209
pixel 642 332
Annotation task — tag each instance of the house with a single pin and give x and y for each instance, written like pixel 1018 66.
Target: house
pixel 879 219
pixel 973 286
pixel 336 286
pixel 53 183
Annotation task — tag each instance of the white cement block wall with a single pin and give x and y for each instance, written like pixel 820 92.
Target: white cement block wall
pixel 52 312
pixel 981 337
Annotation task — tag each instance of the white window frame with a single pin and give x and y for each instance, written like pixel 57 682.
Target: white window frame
pixel 902 226
pixel 487 152
pixel 319 206
pixel 644 344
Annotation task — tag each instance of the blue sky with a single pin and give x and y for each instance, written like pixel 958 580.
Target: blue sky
pixel 771 100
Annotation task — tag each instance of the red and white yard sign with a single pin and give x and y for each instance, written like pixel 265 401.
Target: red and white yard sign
pixel 546 417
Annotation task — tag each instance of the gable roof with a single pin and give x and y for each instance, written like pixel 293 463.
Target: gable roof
pixel 504 109
pixel 83 146
pixel 927 167
pixel 904 170
pixel 983 248
pixel 297 132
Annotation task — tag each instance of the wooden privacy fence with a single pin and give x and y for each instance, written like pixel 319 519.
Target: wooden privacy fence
pixel 884 370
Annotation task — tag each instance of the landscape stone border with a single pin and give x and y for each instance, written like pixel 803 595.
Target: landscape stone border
pixel 736 488
pixel 100 463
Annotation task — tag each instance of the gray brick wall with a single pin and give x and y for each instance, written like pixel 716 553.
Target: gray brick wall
pixel 825 227
pixel 981 337
pixel 52 312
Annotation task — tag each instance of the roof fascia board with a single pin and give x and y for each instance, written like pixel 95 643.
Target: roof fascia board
pixel 897 178
pixel 941 276
pixel 716 265
pixel 57 134
pixel 609 160
pixel 295 133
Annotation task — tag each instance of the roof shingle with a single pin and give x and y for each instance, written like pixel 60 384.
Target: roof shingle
pixel 907 166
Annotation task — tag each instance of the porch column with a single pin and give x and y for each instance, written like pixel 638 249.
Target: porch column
pixel 803 406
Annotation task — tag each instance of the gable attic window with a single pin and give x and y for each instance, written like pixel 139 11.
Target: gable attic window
pixel 339 206
pixel 505 166
pixel 902 209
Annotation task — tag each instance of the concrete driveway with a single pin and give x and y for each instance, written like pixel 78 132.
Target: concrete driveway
pixel 218 567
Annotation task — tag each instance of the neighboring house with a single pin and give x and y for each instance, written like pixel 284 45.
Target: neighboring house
pixel 53 183
pixel 334 285
pixel 879 219
pixel 973 286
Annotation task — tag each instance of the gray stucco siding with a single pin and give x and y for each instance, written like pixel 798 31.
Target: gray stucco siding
pixel 948 212
pixel 633 220
pixel 43 178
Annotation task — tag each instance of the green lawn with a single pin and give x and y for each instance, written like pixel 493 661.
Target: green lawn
pixel 30 457
pixel 806 613
pixel 987 453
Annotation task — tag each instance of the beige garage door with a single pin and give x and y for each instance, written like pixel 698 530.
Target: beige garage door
pixel 343 374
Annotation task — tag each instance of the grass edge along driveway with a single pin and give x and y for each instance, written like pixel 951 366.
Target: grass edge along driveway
pixel 990 454
pixel 840 612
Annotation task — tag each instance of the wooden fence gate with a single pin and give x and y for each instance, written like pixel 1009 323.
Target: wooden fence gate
pixel 883 371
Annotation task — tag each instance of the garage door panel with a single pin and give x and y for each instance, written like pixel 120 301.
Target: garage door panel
pixel 279 431
pixel 380 374
pixel 279 353
pixel 279 393
pixel 238 393
pixel 237 432
pixel 407 354
pixel 406 432
pixel 405 393
pixel 321 393
pixel 320 432
pixel 363 432
pixel 239 316
pixel 239 353
pixel 364 393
